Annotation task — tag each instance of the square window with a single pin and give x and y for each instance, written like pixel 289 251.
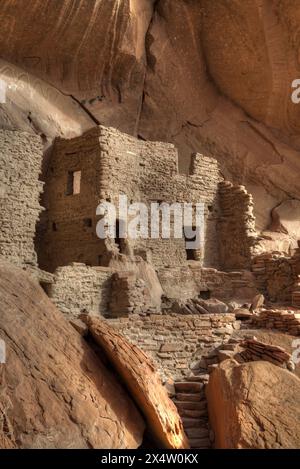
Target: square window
pixel 88 222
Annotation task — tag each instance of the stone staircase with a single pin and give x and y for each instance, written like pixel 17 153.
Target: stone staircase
pixel 191 403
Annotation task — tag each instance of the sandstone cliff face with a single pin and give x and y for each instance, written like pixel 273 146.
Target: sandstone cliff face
pixel 209 76
pixel 55 391
pixel 254 405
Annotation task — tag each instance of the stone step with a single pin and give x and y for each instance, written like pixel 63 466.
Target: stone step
pixel 193 423
pixel 188 405
pixel 197 432
pixel 199 378
pixel 188 387
pixel 190 397
pixel 194 414
pixel 201 443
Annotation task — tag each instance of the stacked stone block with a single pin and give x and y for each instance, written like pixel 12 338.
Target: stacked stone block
pixel 184 282
pixel 276 275
pixel 236 227
pixel 281 319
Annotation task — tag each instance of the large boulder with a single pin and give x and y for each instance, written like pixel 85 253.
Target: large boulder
pixel 142 380
pixel 55 391
pixel 254 405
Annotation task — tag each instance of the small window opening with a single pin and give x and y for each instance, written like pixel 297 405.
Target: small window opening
pixel 117 238
pixel 73 183
pixel 205 295
pixel 54 226
pixel 190 253
pixel 120 229
pixel 88 222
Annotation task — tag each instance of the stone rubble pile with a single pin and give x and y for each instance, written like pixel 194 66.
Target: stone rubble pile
pixel 257 350
pixel 200 306
pixel 282 319
pixel 252 349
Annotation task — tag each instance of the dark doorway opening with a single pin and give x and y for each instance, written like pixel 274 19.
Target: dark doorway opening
pixel 117 238
pixel 190 253
pixel 205 295
pixel 120 230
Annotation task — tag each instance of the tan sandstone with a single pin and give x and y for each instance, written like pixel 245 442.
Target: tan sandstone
pixel 254 405
pixel 55 391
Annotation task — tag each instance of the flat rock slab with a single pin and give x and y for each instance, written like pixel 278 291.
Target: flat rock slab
pixel 143 383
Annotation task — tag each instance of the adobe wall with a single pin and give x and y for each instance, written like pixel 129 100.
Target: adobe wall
pixel 129 295
pixel 236 227
pixel 21 156
pixel 179 345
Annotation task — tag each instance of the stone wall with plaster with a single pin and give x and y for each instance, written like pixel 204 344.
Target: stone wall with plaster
pixel 21 156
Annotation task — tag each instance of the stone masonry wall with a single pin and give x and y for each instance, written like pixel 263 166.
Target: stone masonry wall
pixel 276 275
pixel 184 282
pixel 148 172
pixel 113 163
pixel 236 227
pixel 78 288
pixel 180 345
pixel 67 231
pixel 20 166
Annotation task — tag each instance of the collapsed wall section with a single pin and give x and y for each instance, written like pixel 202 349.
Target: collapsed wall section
pixel 20 166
